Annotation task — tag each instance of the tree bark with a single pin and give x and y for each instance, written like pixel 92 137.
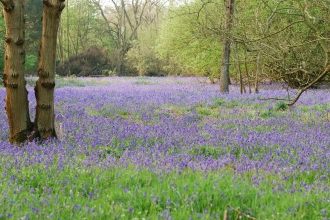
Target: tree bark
pixel 224 76
pixel 44 125
pixel 17 106
pixel 258 73
pixel 247 72
pixel 241 83
pixel 68 38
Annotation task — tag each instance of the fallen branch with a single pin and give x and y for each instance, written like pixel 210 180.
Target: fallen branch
pixel 239 214
pixel 279 99
pixel 225 215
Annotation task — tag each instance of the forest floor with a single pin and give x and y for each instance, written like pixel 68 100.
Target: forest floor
pixel 171 148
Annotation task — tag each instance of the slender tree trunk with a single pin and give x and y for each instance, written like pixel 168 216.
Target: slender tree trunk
pixel 119 61
pixel 60 44
pixel 241 83
pixel 78 31
pixel 17 106
pixel 247 72
pixel 256 82
pixel 68 38
pixel 224 76
pixel 238 69
pixel 44 89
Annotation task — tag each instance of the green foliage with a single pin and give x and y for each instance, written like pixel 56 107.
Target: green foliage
pixel 186 43
pixel 33 29
pixel 281 106
pixel 80 28
pixel 266 114
pixel 142 57
pixel 30 61
pixel 290 36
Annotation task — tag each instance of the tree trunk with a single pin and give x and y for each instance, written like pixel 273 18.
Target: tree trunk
pixel 247 72
pixel 224 76
pixel 60 52
pixel 44 90
pixel 241 83
pixel 68 38
pixel 258 73
pixel 17 106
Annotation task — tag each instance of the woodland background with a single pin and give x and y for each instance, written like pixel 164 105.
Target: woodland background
pixel 271 40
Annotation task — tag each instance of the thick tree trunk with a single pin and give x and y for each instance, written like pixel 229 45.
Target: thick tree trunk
pixel 44 89
pixel 17 106
pixel 224 76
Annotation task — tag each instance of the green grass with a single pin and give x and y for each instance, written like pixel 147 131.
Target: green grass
pixel 142 80
pixel 204 111
pixel 113 112
pixel 207 151
pixel 75 193
pixel 142 83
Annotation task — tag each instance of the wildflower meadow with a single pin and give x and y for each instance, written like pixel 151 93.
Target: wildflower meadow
pixel 171 148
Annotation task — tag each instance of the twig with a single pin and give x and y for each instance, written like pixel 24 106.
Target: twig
pixel 276 32
pixel 279 99
pixel 225 215
pixel 241 213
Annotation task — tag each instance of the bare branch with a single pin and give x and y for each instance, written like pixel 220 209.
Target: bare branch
pixel 241 213
pixel 273 14
pixel 201 8
pixel 109 28
pixel 277 32
pixel 325 72
pixel 278 99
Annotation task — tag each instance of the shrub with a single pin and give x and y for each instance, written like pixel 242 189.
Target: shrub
pixel 93 61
